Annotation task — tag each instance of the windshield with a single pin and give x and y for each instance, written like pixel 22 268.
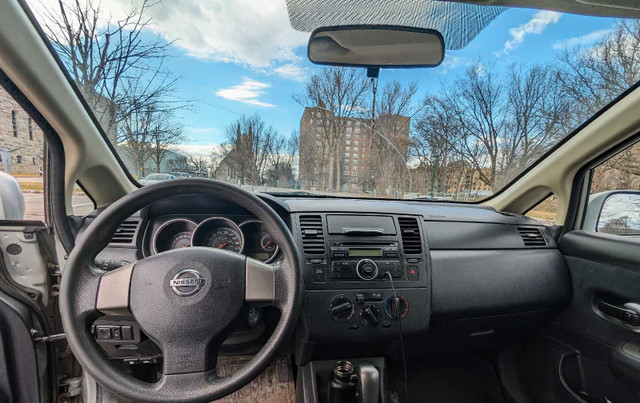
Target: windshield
pixel 224 90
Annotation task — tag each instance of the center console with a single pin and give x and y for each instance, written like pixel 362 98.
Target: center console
pixel 363 274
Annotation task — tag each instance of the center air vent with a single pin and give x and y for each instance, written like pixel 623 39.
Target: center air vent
pixel 312 234
pixel 126 232
pixel 531 236
pixel 410 231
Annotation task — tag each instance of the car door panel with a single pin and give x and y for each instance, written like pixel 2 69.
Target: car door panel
pixel 605 275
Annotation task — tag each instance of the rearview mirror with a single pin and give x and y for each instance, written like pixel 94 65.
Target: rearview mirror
pixel 376 46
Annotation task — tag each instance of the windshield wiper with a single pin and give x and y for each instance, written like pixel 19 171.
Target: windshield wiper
pixel 298 193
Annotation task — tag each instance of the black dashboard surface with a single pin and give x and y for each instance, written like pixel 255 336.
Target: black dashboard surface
pixel 480 269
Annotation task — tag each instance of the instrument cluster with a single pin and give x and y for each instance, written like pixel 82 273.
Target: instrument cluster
pixel 246 236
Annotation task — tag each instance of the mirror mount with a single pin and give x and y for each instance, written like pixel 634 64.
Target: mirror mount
pixel 376 46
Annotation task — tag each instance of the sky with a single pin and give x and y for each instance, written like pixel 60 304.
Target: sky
pixel 243 56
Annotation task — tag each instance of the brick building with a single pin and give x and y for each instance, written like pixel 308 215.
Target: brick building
pixel 20 139
pixel 360 159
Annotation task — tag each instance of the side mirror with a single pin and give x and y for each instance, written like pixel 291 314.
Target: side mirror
pixel 11 199
pixel 615 212
pixel 376 46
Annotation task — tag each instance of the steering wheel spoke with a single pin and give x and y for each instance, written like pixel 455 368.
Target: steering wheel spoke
pixel 114 290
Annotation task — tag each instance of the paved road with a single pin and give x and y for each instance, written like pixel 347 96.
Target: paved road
pixel 34 206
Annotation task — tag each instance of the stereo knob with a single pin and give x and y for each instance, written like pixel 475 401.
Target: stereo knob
pixel 367 269
pixel 370 315
pixel 341 308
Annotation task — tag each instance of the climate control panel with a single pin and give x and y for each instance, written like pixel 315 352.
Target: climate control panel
pixel 369 309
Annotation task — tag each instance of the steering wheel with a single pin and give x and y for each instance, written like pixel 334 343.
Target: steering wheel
pixel 186 300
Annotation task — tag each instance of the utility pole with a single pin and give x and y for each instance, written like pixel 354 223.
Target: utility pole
pixel 433 173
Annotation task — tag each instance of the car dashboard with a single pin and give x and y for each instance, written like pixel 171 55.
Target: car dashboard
pixel 467 277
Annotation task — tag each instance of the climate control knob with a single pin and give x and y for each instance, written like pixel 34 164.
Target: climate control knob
pixel 396 308
pixel 367 269
pixel 341 308
pixel 370 315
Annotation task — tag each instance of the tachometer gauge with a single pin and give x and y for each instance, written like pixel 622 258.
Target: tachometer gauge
pixel 220 233
pixel 258 243
pixel 173 234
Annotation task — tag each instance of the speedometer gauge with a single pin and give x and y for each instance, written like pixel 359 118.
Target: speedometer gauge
pixel 224 238
pixel 219 233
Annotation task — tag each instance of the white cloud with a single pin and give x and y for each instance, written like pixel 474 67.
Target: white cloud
pixel 292 71
pixel 253 33
pixel 535 26
pixel 193 150
pixel 584 40
pixel 248 92
pixel 452 63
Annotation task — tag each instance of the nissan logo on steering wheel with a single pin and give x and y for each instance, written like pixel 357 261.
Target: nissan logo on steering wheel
pixel 187 282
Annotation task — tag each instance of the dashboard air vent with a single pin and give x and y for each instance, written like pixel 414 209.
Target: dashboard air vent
pixel 312 234
pixel 126 232
pixel 410 231
pixel 531 236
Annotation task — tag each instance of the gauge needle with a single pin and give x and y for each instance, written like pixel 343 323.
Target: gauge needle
pixel 267 244
pixel 223 245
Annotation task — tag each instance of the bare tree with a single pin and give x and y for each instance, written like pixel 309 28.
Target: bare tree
pixel 165 134
pixel 338 93
pixel 282 159
pixel 246 149
pixel 118 67
pixel 394 111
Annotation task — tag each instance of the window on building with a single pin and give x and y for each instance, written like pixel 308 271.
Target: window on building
pixel 355 148
pixel 545 211
pixel 348 130
pixel 14 123
pixel 354 173
pixel 348 123
pixel 356 142
pixel 19 159
pixel 355 155
pixel 357 124
pixel 355 161
pixel 347 161
pixel 348 142
pixel 347 148
pixel 347 154
pixel 30 130
pixel 357 130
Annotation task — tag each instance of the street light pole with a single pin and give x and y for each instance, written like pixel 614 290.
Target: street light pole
pixel 433 173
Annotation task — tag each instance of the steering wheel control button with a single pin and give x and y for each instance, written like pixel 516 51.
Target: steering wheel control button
pixel 367 269
pixel 341 308
pixel 126 332
pixel 187 282
pixel 103 333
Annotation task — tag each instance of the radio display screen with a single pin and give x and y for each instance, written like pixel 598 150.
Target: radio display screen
pixel 365 252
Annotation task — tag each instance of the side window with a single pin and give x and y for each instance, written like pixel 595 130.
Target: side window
pixel 81 204
pixel 545 211
pixel 21 152
pixel 614 199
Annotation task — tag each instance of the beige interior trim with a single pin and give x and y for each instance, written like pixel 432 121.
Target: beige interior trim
pixel 26 60
pixel 555 173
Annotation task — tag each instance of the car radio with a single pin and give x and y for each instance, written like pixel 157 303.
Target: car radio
pixel 365 262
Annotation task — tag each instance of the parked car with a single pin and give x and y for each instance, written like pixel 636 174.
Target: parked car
pixel 155 178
